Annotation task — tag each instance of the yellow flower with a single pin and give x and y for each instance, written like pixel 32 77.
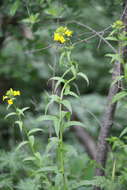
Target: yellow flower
pixel 16 93
pixel 12 92
pixel 5 97
pixel 58 37
pixel 10 101
pixel 68 33
pixel 61 34
pixel 62 39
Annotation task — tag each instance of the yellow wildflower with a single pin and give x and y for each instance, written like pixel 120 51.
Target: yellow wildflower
pixel 10 101
pixel 5 97
pixel 12 92
pixel 62 39
pixel 58 37
pixel 61 34
pixel 68 33
pixel 16 93
pixel 10 95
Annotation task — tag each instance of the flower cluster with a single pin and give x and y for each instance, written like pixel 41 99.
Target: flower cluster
pixel 118 24
pixel 62 34
pixel 10 95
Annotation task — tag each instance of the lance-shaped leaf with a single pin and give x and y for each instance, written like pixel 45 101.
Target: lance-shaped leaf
pixel 38 156
pixel 84 77
pixel 20 124
pixel 59 81
pixel 46 118
pixel 57 126
pixel 125 71
pixel 26 108
pixel 119 96
pixel 67 104
pixel 21 144
pixel 73 123
pixel 30 158
pixel 54 98
pixel 31 140
pixel 48 169
pixel 123 132
pixel 34 131
pixel 10 114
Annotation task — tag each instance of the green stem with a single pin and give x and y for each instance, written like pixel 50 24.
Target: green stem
pixel 25 131
pixel 61 156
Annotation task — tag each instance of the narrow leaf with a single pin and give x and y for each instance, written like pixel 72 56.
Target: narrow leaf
pixel 73 123
pixel 67 104
pixel 20 124
pixel 123 132
pixel 21 144
pixel 84 76
pixel 46 118
pixel 10 114
pixel 31 140
pixel 34 131
pixel 56 126
pixel 119 96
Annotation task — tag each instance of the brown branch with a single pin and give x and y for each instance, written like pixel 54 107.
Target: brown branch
pixel 102 147
pixel 107 121
pixel 86 140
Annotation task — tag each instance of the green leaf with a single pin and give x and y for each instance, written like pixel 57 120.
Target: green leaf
pixel 14 7
pixel 34 131
pixel 57 126
pixel 115 57
pixel 38 156
pixel 32 19
pixel 30 158
pixel 58 179
pixel 59 81
pixel 74 70
pixel 54 98
pixel 48 169
pixel 84 76
pixel 123 132
pixel 10 114
pixel 24 109
pixel 125 71
pixel 119 96
pixel 73 123
pixel 118 78
pixel 19 111
pixel 65 114
pixel 31 140
pixel 111 38
pixel 46 118
pixel 68 92
pixel 82 183
pixel 20 124
pixel 52 143
pixel 67 104
pixel 21 144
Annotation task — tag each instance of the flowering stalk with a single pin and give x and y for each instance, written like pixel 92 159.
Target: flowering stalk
pixel 62 120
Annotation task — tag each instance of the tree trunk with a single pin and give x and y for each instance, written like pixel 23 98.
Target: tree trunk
pixel 102 146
